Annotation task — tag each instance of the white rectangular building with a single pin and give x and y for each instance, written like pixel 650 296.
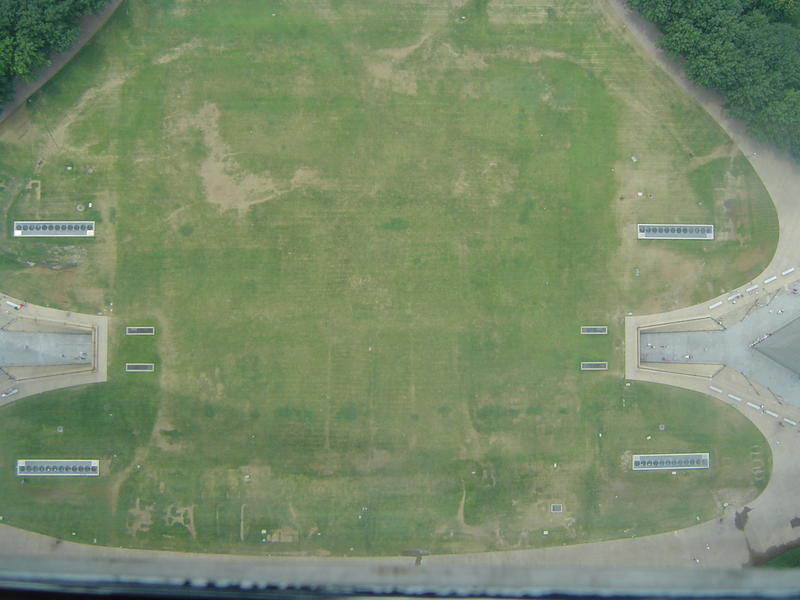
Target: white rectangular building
pixel 53 228
pixel 45 467
pixel 670 462
pixel 675 231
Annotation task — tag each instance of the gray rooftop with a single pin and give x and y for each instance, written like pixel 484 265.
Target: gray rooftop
pixel 783 346
pixel 675 231
pixel 53 228
pixel 36 349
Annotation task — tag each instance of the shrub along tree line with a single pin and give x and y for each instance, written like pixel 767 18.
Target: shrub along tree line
pixel 747 49
pixel 30 30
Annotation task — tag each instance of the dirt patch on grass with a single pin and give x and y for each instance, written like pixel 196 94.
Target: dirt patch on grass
pixel 18 127
pixel 529 55
pixel 308 177
pixel 58 138
pixel 181 515
pixel 386 75
pixel 140 518
pixel 119 478
pixel 225 181
pixel 735 497
pixel 162 431
pixel 177 52
pixel 328 463
pixel 466 59
pixel 385 67
pixel 375 460
pixel 399 54
pixel 510 13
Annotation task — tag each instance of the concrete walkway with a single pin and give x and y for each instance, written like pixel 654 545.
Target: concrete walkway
pixel 726 542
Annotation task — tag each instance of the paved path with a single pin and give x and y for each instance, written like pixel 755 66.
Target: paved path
pixel 717 543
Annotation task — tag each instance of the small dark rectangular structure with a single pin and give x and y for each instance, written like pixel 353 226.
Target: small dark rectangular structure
pixel 58 468
pixel 140 331
pixel 674 231
pixel 670 462
pixel 139 367
pixel 594 366
pixel 594 330
pixel 53 228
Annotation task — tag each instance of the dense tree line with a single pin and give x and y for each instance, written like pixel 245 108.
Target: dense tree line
pixel 30 30
pixel 747 49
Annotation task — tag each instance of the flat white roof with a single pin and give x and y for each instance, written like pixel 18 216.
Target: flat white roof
pixel 57 467
pixel 675 231
pixel 53 228
pixel 670 462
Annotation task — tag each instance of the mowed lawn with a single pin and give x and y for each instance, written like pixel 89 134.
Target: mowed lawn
pixel 367 235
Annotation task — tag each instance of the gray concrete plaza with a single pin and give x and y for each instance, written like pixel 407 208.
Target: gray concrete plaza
pixel 740 346
pixel 39 349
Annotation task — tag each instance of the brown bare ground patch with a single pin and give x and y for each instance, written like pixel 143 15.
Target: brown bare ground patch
pixel 140 518
pixel 671 278
pixel 119 478
pixel 373 461
pixel 177 52
pixel 735 497
pixel 400 54
pixel 384 67
pixel 466 59
pixel 304 176
pixel 303 85
pixel 167 349
pixel 163 425
pixel 285 535
pixel 225 181
pixel 18 127
pixel 59 283
pixel 385 75
pixel 529 55
pixel 666 279
pixel 58 140
pixel 490 178
pixel 727 150
pixel 513 12
pixel 327 463
pixel 181 515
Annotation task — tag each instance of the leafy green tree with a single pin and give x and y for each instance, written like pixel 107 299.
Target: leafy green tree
pixel 30 30
pixel 747 49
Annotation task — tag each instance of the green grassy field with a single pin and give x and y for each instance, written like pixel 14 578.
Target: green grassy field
pixel 367 234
